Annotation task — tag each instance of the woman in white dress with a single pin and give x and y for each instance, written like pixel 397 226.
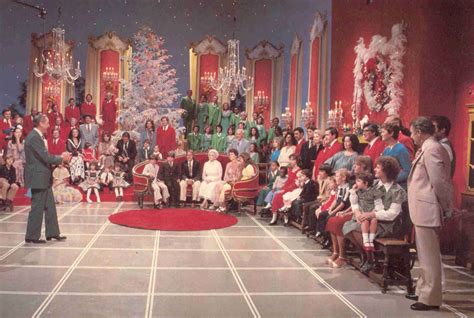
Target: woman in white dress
pixel 211 176
pixel 287 150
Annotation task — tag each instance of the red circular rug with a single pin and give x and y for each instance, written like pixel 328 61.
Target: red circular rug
pixel 173 219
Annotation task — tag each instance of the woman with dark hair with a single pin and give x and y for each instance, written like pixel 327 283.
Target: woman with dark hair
pixel 390 133
pixel 346 158
pixel 387 215
pixel 287 150
pixel 74 146
pixel 254 136
pixel 16 149
pixel 148 133
pixel 290 185
pixel 106 151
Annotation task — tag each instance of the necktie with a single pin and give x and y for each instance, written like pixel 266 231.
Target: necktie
pixel 310 144
pixel 89 127
pixel 45 142
pixel 125 147
pixel 146 154
pixel 55 141
pixel 190 167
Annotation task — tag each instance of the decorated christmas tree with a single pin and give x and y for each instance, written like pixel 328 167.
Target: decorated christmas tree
pixel 151 91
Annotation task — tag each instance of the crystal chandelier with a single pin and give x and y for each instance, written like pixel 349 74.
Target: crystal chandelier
pixel 58 63
pixel 231 80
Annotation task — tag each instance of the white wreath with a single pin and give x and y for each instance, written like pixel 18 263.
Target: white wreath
pixel 394 49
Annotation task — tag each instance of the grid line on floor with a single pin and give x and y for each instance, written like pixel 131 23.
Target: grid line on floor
pixel 152 282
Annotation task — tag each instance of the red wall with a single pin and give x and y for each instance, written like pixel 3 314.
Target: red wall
pixel 108 58
pixel 263 82
pixel 208 63
pixel 438 61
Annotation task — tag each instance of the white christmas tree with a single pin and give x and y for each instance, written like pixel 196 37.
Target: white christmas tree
pixel 151 91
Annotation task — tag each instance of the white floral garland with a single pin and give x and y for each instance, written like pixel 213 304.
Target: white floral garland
pixel 394 49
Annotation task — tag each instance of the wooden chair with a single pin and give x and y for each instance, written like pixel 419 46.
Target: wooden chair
pixel 247 191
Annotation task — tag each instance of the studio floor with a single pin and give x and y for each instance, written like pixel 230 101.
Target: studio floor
pixel 248 270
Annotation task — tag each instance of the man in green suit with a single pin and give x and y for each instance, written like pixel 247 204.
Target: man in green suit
pixel 38 178
pixel 195 139
pixel 189 107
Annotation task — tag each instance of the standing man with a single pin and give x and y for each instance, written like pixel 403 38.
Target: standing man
pixel 165 137
pixel 189 107
pixel 430 195
pixel 109 113
pixel 38 179
pixel 190 175
pixel 442 126
pixel 89 132
pixel 299 136
pixel 309 150
pixel 88 107
pixel 72 111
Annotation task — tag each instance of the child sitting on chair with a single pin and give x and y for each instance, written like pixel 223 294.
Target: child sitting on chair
pixel 88 154
pixel 92 182
pixel 119 182
pixel 106 179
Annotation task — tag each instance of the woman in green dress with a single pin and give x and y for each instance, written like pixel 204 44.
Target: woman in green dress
pixel 206 138
pixel 215 113
pixel 226 114
pixel 218 140
pixel 202 113
pixel 235 117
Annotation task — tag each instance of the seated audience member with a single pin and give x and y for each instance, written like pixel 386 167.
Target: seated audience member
pixel 28 121
pixel 290 185
pixel 8 184
pixel 254 153
pixel 218 140
pixel 397 150
pixel 63 193
pixel 54 114
pixel 179 151
pixel 211 177
pixel 169 174
pixel 247 171
pixel 230 136
pixel 309 150
pixel 106 179
pixel 160 190
pixel 89 131
pixel 309 192
pixel 338 207
pixel 277 186
pixel 88 154
pixel 56 145
pixel 16 149
pixel 106 151
pixel 254 137
pixel 288 149
pixel 442 127
pixel 375 145
pixel 404 135
pixel 195 139
pixel 118 182
pixel 346 158
pixel 6 126
pixel 275 151
pixel 364 197
pixel 233 172
pixel 325 172
pixel 157 153
pixel 126 154
pixel 300 141
pixel 62 127
pixel 239 143
pixel 76 165
pixel 206 139
pixel 271 176
pixel 386 171
pixel 262 133
pixel 190 176
pixel 146 151
pixel 271 131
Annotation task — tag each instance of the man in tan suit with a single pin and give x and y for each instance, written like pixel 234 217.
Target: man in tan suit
pixel 430 198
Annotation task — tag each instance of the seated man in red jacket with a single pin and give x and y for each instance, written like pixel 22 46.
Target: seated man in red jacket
pixel 56 144
pixel 6 126
pixel 375 145
pixel 28 121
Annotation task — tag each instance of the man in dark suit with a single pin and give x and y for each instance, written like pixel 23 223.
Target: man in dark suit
pixel 169 174
pixel 308 150
pixel 309 193
pixel 38 178
pixel 127 152
pixel 190 175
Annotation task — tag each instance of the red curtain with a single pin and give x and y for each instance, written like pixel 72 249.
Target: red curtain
pixel 314 74
pixel 207 63
pixel 108 58
pixel 263 82
pixel 48 82
pixel 292 93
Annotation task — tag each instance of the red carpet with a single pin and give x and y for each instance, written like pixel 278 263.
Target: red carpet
pixel 173 219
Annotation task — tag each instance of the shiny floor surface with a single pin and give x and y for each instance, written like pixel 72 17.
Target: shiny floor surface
pixel 248 270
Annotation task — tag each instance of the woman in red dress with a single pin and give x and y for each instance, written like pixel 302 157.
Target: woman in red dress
pixel 290 185
pixel 165 137
pixel 109 113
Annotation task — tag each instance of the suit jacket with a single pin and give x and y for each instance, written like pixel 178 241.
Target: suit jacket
pixel 92 136
pixel 430 191
pixel 196 172
pixel 131 149
pixel 242 146
pixel 168 173
pixel 58 148
pixel 299 146
pixel 307 155
pixel 38 162
pixel 145 154
pixel 310 191
pixel 375 150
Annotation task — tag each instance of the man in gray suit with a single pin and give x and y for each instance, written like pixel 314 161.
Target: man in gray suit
pixel 89 132
pixel 430 199
pixel 38 178
pixel 239 143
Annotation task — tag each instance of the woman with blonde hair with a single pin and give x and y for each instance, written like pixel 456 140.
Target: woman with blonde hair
pixel 211 177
